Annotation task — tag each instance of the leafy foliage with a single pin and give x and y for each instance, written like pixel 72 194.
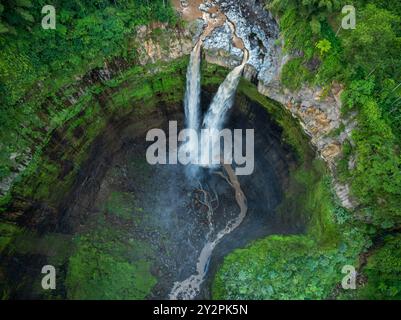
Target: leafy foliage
pixel 106 262
pixel 84 32
pixel 374 45
pixel 101 269
pixel 377 176
pixel 366 60
pixel 283 268
pixel 294 74
pixel 37 63
pixel 324 46
pixel 297 266
pixel 383 271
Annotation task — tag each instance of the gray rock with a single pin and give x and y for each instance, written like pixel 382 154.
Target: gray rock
pixel 259 33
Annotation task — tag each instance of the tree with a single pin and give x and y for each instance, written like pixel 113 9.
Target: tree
pixel 324 46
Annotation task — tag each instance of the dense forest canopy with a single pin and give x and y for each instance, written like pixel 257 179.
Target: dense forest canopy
pixel 84 31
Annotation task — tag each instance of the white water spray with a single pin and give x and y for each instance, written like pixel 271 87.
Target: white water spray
pixel 192 103
pixel 192 94
pixel 215 117
pixel 221 104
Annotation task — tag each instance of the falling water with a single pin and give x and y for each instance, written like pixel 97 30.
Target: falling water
pixel 223 100
pixel 192 105
pixel 192 94
pixel 214 119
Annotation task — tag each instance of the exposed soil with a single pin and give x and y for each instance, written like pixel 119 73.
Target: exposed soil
pixel 190 12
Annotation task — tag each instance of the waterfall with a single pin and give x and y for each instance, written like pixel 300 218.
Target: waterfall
pixel 192 94
pixel 214 119
pixel 223 100
pixel 192 105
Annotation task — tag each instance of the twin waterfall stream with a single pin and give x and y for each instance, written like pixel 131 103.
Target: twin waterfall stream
pixel 214 119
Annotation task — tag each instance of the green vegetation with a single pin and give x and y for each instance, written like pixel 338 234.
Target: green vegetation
pixel 121 204
pixel 8 232
pixel 47 178
pixel 49 105
pixel 297 266
pixel 289 69
pixel 22 243
pixel 282 268
pixel 366 60
pixel 101 262
pixel 83 34
pixel 383 271
pixel 106 265
pixel 52 110
pixel 292 133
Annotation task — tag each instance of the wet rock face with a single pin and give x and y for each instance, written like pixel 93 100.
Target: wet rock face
pixel 318 111
pixel 319 116
pixel 220 48
pixel 258 31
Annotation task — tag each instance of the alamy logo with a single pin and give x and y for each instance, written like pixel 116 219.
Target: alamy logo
pixel 349 281
pixel 49 280
pixel 349 20
pixel 209 148
pixel 49 20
